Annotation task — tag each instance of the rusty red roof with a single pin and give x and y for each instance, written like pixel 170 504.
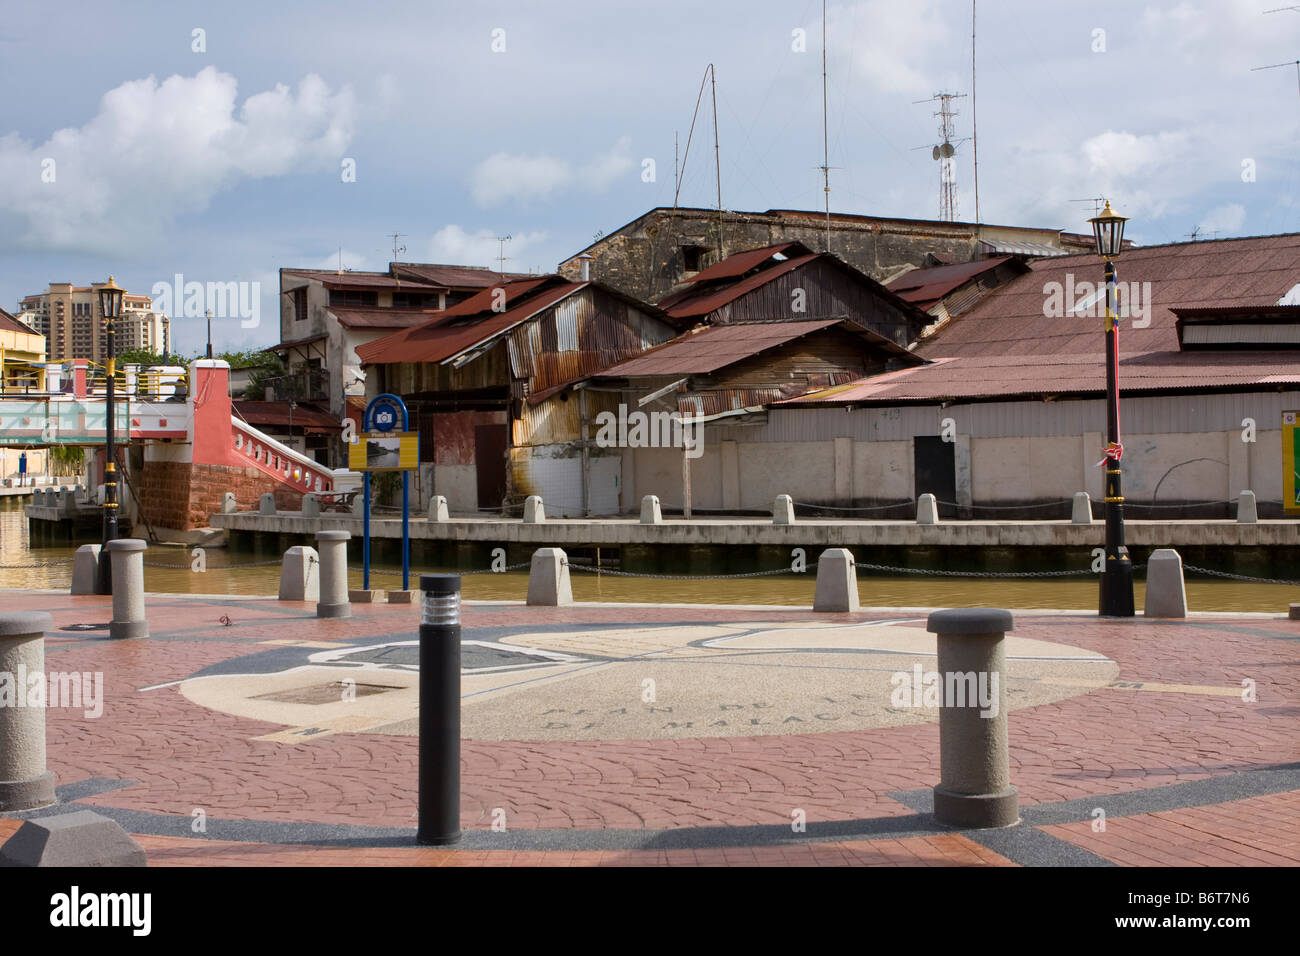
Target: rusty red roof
pixel 304 417
pixel 468 323
pixel 453 277
pixel 741 262
pixel 708 348
pixel 693 301
pixel 1007 376
pixel 361 280
pixel 383 318
pixel 924 287
pixel 1222 273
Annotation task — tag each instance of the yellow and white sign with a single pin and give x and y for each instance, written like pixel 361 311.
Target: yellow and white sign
pixel 385 451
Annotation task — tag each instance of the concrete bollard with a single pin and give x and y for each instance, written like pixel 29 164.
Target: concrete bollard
pixel 1082 513
pixel 438 509
pixel 99 494
pixel 300 575
pixel 80 492
pixel 783 510
pixel 1166 594
pixel 266 504
pixel 927 510
pixel 332 546
pixel 837 582
pixel 651 513
pixel 228 503
pixel 81 838
pixel 974 788
pixel 548 578
pixel 25 782
pixel 67 501
pixel 310 506
pixel 127 557
pixel 85 569
pixel 1246 509
pixel 534 512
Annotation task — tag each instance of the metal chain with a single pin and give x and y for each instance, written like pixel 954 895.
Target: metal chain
pixel 223 567
pixel 28 567
pixel 1238 577
pixel 684 577
pixel 977 574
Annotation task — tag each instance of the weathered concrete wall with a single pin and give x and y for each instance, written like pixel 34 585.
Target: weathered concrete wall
pixel 1020 469
pixel 882 470
pixel 181 495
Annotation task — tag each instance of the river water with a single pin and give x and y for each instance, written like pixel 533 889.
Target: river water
pixel 24 567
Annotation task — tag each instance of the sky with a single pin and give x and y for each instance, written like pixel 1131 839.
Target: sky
pixel 222 142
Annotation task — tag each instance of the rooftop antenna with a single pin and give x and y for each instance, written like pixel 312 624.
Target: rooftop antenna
pixel 974 135
pixel 826 150
pixel 397 250
pixel 944 152
pixel 340 260
pixel 502 258
pixel 1097 203
pixel 1295 63
pixel 711 75
pixel 1198 233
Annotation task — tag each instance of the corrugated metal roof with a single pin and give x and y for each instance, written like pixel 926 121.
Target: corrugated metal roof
pixel 977 377
pixel 923 287
pixel 11 324
pixel 469 324
pixel 278 414
pixel 354 280
pixel 383 318
pixel 692 301
pixel 741 262
pixel 1004 247
pixel 453 277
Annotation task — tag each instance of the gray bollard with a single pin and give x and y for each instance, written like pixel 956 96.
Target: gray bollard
pixel 651 513
pixel 85 569
pixel 300 575
pixel 438 509
pixel 1166 593
pixel 332 547
pixel 25 782
pixel 228 503
pixel 127 557
pixel 837 582
pixel 548 578
pixel 310 506
pixel 975 788
pixel 266 504
pixel 534 512
pixel 81 838
pixel 1246 510
pixel 1082 513
pixel 927 510
pixel 783 510
pixel 67 501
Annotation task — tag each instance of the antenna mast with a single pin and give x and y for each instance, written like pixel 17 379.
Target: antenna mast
pixel 717 155
pixel 944 152
pixel 502 258
pixel 826 151
pixel 974 135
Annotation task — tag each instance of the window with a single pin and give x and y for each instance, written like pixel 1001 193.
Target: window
pixel 300 304
pixel 693 257
pixel 415 300
pixel 354 299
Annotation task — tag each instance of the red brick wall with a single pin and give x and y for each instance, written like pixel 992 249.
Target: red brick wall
pixel 182 495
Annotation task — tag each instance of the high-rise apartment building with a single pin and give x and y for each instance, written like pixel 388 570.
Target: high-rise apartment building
pixel 70 319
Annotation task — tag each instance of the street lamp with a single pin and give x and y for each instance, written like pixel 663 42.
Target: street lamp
pixel 208 314
pixel 1116 598
pixel 110 306
pixel 167 338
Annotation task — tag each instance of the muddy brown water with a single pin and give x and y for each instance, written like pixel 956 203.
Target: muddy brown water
pixel 51 567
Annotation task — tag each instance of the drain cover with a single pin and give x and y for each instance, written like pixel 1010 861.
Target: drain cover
pixel 330 693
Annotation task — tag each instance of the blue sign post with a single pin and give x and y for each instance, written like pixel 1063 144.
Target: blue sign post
pixel 382 416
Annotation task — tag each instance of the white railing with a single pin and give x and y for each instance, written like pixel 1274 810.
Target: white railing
pixel 292 467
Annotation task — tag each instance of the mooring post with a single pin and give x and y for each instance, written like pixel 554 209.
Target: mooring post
pixel 127 556
pixel 25 783
pixel 439 761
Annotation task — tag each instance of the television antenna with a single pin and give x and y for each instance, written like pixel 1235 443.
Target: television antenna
pixel 502 258
pixel 1097 203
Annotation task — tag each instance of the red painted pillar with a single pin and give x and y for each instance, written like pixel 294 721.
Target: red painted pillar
pixel 79 371
pixel 210 429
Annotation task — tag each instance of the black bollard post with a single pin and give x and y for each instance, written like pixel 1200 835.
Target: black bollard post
pixel 439 810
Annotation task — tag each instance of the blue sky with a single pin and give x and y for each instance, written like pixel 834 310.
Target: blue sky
pixel 225 164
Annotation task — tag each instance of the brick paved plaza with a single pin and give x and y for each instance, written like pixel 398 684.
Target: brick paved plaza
pixel 604 734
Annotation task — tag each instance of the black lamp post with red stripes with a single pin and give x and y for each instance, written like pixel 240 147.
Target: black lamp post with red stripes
pixel 1116 598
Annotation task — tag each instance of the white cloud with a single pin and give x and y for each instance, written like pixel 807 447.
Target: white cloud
pixel 886 43
pixel 1225 220
pixel 503 177
pixel 454 245
pixel 158 150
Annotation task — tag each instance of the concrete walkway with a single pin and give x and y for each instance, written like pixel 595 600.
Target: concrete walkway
pixel 600 734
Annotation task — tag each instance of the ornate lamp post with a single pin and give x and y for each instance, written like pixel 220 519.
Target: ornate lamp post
pixel 1116 598
pixel 110 305
pixel 167 338
pixel 208 315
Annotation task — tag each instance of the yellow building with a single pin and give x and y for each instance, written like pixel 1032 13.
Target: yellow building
pixel 22 354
